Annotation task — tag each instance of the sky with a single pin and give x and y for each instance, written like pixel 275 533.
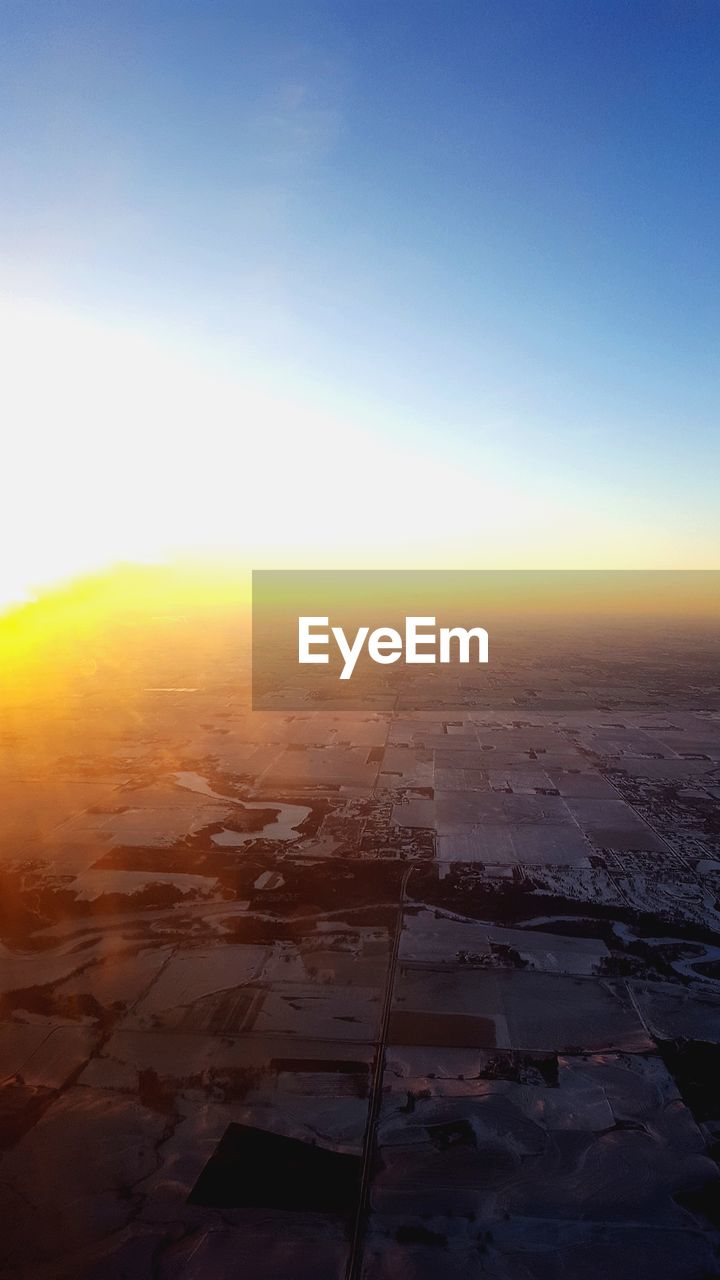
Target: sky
pixel 411 283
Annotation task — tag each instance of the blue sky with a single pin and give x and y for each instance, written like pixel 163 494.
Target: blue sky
pixel 488 230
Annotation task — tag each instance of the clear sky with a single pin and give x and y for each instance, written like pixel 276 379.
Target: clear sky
pixel 367 282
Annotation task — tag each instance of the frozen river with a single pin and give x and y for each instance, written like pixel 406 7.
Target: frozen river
pixel 282 827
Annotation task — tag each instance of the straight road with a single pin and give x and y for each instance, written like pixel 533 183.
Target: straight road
pixel 354 1267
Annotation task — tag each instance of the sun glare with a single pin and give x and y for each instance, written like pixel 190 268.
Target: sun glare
pixel 124 447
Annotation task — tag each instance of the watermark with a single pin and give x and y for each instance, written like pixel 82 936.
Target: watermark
pixel 419 643
pixel 381 640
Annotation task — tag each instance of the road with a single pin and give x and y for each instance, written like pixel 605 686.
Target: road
pixel 354 1267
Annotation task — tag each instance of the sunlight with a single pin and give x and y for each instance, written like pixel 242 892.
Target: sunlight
pixel 124 448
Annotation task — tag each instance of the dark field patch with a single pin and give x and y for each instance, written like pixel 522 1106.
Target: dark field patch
pixel 442 1029
pixel 253 1168
pixel 695 1068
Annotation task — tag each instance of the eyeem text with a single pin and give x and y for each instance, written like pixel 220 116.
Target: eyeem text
pixel 421 643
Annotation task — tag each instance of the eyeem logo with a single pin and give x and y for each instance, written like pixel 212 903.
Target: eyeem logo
pixel 386 645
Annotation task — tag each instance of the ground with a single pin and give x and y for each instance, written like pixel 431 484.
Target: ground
pixel 457 967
